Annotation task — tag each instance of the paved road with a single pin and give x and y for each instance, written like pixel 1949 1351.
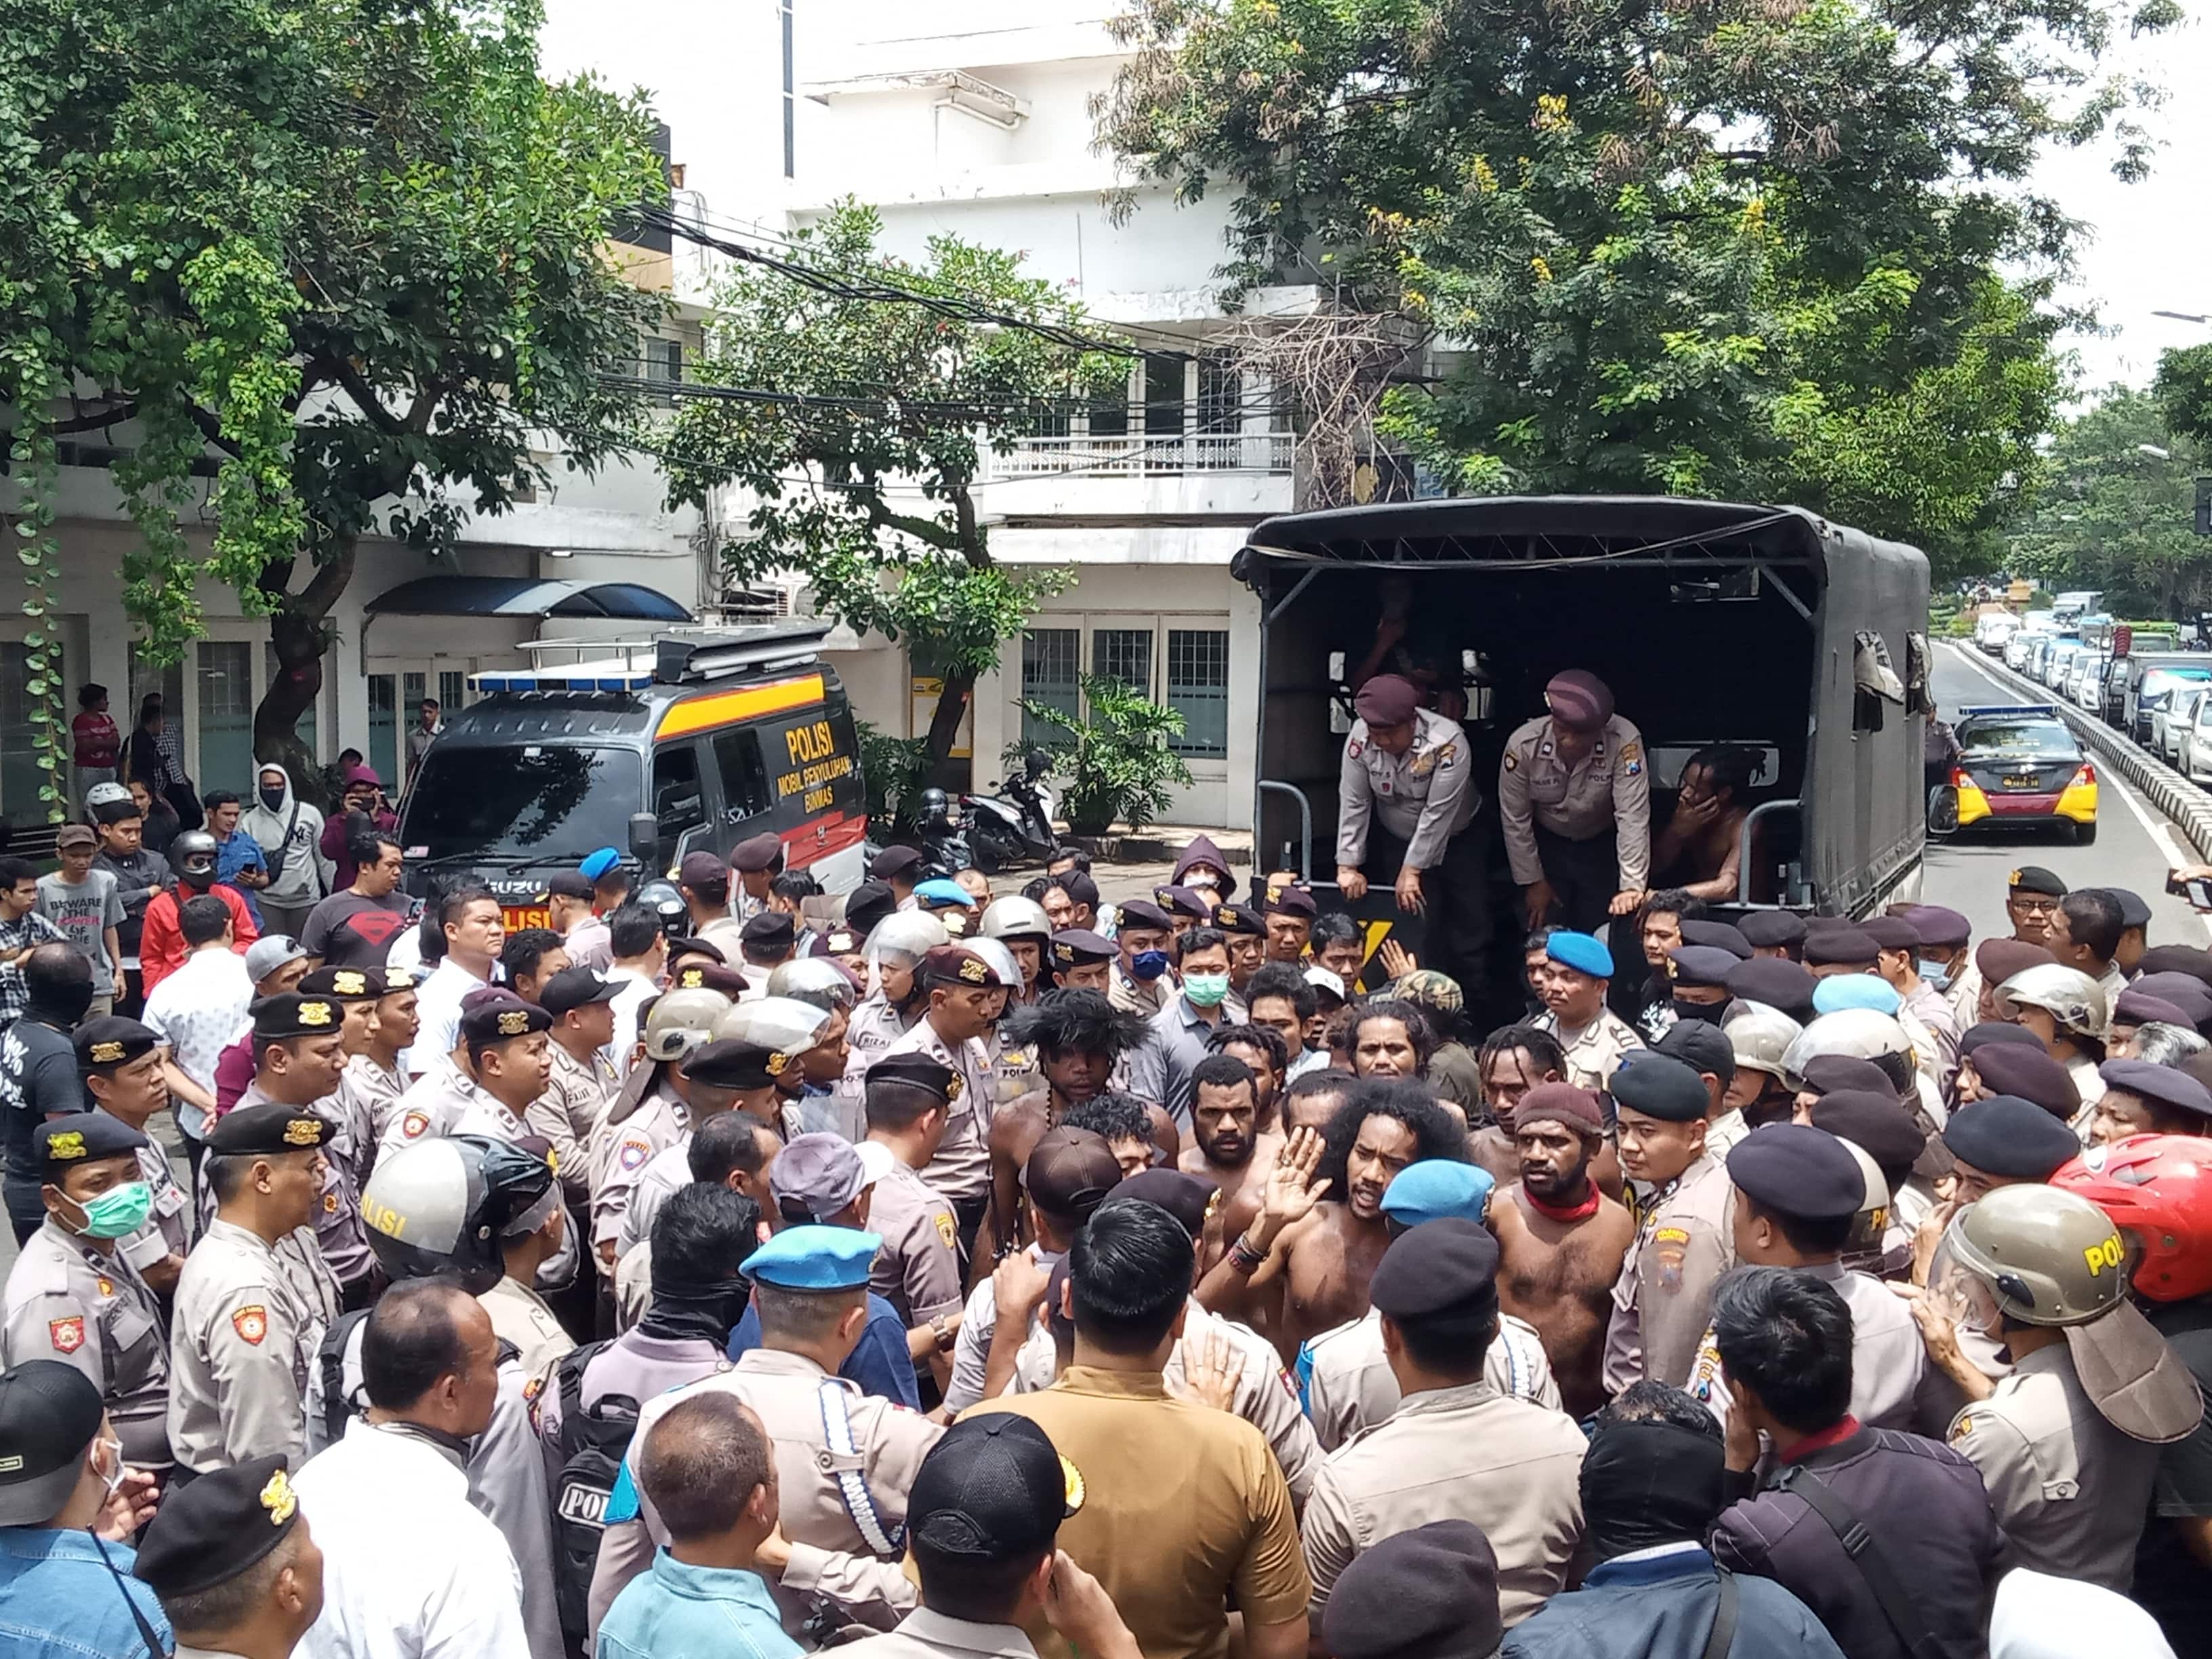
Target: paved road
pixel 2135 845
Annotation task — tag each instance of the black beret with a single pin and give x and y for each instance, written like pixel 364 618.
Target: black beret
pixel 1186 1198
pixel 1837 946
pixel 757 855
pixel 704 871
pixel 1184 901
pixel 499 1019
pixel 1827 1073
pixel 1798 1171
pixel 1893 932
pixel 2005 1135
pixel 1239 919
pixel 1082 889
pixel 2160 1085
pixel 210 1530
pixel 2034 878
pixel 1079 947
pixel 2030 1074
pixel 1701 964
pixel 1660 1086
pixel 60 1143
pixel 1719 935
pixel 111 1040
pixel 1876 1123
pixel 1941 926
pixel 1771 930
pixel 1143 912
pixel 1293 901
pixel 295 1015
pixel 1997 1030
pixel 569 883
pixel 914 1068
pixel 1776 981
pixel 894 861
pixel 711 976
pixel 1439 1267
pixel 1701 1045
pixel 1431 1593
pixel 345 984
pixel 734 1063
pixel 868 904
pixel 2134 912
pixel 266 1131
pixel 681 945
pixel 770 930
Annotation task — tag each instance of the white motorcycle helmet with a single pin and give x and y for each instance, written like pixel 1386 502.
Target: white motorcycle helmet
pixel 1761 1037
pixel 2070 997
pixel 1859 1033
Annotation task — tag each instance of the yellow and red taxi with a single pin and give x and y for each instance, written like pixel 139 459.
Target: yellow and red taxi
pixel 2019 764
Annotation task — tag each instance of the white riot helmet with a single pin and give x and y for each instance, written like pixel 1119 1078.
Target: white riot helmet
pixel 813 976
pixel 779 1022
pixel 1000 958
pixel 907 936
pixel 1015 917
pixel 681 1020
pixel 1859 1033
pixel 1865 1243
pixel 1761 1037
pixel 2070 997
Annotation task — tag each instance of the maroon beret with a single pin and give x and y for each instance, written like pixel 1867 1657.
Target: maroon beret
pixel 1387 700
pixel 1579 700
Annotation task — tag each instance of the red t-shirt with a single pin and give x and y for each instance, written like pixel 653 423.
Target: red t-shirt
pixel 98 743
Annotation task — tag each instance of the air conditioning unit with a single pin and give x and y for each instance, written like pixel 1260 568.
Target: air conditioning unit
pixel 774 599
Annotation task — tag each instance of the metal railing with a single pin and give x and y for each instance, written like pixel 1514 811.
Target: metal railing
pixel 1138 454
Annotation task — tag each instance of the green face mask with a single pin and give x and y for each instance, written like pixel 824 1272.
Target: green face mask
pixel 1205 990
pixel 119 1210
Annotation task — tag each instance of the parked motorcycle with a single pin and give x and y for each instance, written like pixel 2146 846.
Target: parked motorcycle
pixel 943 837
pixel 1015 825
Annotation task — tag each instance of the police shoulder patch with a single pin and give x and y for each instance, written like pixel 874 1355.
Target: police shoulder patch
pixel 66 1334
pixel 633 1153
pixel 1961 1429
pixel 412 1125
pixel 946 1230
pixel 1355 748
pixel 251 1322
pixel 1512 760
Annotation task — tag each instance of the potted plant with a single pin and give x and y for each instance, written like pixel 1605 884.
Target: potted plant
pixel 1115 765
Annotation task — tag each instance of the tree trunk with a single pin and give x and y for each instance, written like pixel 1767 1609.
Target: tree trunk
pixel 297 631
pixel 945 727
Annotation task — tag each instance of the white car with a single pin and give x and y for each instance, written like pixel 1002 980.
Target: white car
pixel 2173 723
pixel 2017 648
pixel 2052 672
pixel 1993 631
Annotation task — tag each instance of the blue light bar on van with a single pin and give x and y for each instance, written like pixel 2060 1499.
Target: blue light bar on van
pixel 2049 708
pixel 586 678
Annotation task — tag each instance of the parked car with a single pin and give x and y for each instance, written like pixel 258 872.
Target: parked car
pixel 2194 761
pixel 2017 648
pixel 2052 672
pixel 1993 631
pixel 2170 724
pixel 2019 764
pixel 2150 686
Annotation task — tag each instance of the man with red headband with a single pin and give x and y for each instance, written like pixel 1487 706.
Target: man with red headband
pixel 1574 789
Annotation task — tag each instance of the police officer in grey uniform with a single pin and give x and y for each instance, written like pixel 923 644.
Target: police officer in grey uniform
pixel 73 1296
pixel 1404 797
pixel 651 1114
pixel 2067 1444
pixel 119 1063
pixel 245 1335
pixel 1574 790
pixel 918 1270
pixel 895 994
pixel 966 999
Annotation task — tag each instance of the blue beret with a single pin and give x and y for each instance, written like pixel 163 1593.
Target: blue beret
pixel 1799 1170
pixel 1659 1086
pixel 1582 952
pixel 1841 991
pixel 1435 1188
pixel 598 863
pixel 942 891
pixel 2005 1135
pixel 1702 964
pixel 815 1258
pixel 2162 1085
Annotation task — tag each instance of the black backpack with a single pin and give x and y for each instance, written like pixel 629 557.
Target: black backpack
pixel 330 1361
pixel 592 1443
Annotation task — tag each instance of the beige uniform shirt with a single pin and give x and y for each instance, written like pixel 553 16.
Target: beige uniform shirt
pixel 926 1635
pixel 372 1093
pixel 340 1233
pixel 874 1026
pixel 918 1269
pixel 1609 789
pixel 2069 1490
pixel 568 1115
pixel 1889 1358
pixel 1463 1453
pixel 1593 1053
pixel 243 1341
pixel 68 1301
pixel 962 1168
pixel 520 1315
pixel 661 1122
pixel 1663 1299
pixel 664 1172
pixel 167 1229
pixel 432 1106
pixel 829 1558
pixel 1349 1385
pixel 1424 797
pixel 1135 996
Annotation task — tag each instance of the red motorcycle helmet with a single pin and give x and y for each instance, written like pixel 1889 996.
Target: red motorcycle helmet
pixel 2158 1191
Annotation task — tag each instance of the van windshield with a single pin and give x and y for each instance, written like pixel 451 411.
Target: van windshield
pixel 538 801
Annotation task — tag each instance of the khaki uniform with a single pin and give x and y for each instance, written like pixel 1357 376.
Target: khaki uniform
pixel 1663 1299
pixel 926 1635
pixel 431 1107
pixel 569 1113
pixel 245 1339
pixel 372 1093
pixel 167 1229
pixel 1349 1385
pixel 874 1026
pixel 1014 1072
pixel 918 1269
pixel 1183 1504
pixel 521 1316
pixel 1135 996
pixel 340 1233
pixel 1424 797
pixel 2069 1490
pixel 1608 791
pixel 961 1171
pixel 1463 1454
pixel 829 1558
pixel 68 1301
pixel 1888 1356
pixel 661 1122
pixel 1594 1052
pixel 666 1170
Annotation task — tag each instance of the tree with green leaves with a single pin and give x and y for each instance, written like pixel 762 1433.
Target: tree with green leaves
pixel 1765 249
pixel 2117 515
pixel 862 430
pixel 320 270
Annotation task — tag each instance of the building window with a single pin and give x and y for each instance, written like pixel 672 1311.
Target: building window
pixel 226 710
pixel 1124 655
pixel 790 98
pixel 1051 661
pixel 20 776
pixel 1198 687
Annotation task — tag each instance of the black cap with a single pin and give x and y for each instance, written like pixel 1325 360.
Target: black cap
pixel 1876 1124
pixel 770 930
pixel 894 861
pixel 1825 1074
pixel 1660 1086
pixel 111 1040
pixel 1445 1266
pixel 735 1063
pixel 1186 1198
pixel 703 871
pixel 868 904
pixel 2034 878
pixel 266 1131
pixel 1078 947
pixel 1798 1171
pixel 711 976
pixel 956 965
pixel 1701 964
pixel 210 1530
pixel 1833 947
pixel 1718 936
pixel 2005 1135
pixel 1997 1030
pixel 1893 932
pixel 501 1019
pixel 61 1144
pixel 2030 1073
pixel 2161 1084
pixel 2134 912
pixel 576 988
pixel 1070 1173
pixel 1143 912
pixel 1701 1045
pixel 1430 1593
pixel 757 855
pixel 345 984
pixel 49 1414
pixel 1184 901
pixel 1239 919
pixel 1773 930
pixel 569 883
pixel 1776 981
pixel 294 1014
pixel 914 1069
pixel 682 944
pixel 992 1488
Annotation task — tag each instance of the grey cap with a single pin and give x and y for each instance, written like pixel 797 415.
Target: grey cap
pixel 269 953
pixel 821 1174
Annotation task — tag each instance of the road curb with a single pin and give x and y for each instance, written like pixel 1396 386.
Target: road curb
pixel 2187 805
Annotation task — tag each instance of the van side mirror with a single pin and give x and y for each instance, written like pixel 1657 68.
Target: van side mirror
pixel 644 835
pixel 1942 810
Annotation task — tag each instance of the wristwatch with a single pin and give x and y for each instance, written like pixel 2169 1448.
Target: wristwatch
pixel 945 1335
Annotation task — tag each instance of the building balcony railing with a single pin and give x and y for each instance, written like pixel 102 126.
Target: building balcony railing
pixel 1136 454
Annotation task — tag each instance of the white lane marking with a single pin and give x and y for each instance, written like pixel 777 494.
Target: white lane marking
pixel 2160 832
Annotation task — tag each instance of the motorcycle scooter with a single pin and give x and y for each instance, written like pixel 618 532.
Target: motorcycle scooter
pixel 1013 826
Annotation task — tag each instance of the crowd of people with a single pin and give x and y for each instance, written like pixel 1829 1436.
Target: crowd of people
pixel 726 1267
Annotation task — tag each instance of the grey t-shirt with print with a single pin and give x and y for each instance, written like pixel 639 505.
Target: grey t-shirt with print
pixel 84 911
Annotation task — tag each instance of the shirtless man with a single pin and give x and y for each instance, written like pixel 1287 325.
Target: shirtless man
pixel 1078 1036
pixel 1229 1150
pixel 1515 1059
pixel 1303 1264
pixel 1560 1240
pixel 1699 848
pixel 1267 1055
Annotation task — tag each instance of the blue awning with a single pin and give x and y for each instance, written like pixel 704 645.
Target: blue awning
pixel 525 596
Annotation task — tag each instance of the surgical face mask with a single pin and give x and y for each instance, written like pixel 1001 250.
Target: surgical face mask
pixel 1205 990
pixel 1149 965
pixel 118 1211
pixel 1937 974
pixel 271 798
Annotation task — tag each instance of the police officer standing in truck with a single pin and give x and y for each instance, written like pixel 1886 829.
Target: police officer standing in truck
pixel 1574 790
pixel 1405 798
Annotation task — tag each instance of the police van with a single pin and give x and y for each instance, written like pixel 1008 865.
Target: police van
pixel 687 744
